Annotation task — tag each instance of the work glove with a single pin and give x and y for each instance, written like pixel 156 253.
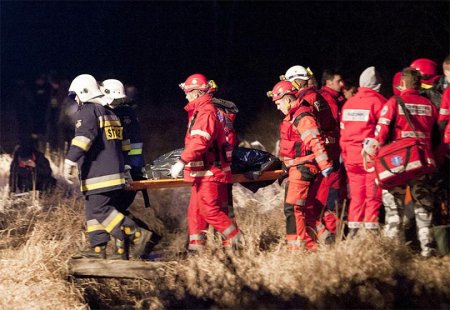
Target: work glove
pixel 370 146
pixel 327 171
pixel 69 171
pixel 176 169
pixel 127 174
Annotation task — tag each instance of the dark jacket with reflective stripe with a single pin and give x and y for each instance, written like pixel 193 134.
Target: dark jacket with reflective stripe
pixel 132 139
pixel 97 148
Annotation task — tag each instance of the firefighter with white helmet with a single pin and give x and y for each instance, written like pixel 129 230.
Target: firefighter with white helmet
pixel 132 145
pixel 96 150
pixel 302 150
pixel 206 163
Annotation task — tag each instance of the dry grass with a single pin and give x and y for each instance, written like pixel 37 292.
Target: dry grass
pixel 38 237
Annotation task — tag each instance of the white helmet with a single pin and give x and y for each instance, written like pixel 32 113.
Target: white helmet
pixel 294 73
pixel 113 89
pixel 85 87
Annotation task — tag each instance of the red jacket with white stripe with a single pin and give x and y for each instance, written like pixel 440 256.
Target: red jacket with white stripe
pixel 205 153
pixel 300 139
pixel 444 115
pixel 359 117
pixel 423 116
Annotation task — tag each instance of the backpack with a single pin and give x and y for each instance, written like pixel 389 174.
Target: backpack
pixel 322 112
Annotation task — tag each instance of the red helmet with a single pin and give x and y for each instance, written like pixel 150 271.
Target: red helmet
pixel 396 83
pixel 195 81
pixel 281 89
pixel 426 67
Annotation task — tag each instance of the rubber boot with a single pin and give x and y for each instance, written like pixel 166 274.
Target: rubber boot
pixel 120 250
pixel 98 252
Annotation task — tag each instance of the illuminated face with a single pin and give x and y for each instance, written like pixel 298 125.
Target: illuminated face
pixel 446 69
pixel 283 105
pixel 191 96
pixel 336 83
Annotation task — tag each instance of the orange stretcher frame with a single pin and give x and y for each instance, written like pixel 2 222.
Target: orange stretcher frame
pixel 172 183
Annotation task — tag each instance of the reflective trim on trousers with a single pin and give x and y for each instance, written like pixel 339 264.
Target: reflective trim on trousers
pixel 113 220
pixel 371 225
pixel 197 237
pixel 355 224
pixel 229 230
pixel 94 225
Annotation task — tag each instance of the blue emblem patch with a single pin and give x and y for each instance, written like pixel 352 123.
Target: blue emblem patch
pixel 397 160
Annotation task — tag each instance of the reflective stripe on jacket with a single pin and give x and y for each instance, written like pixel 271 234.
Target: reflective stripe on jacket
pixel 300 137
pixel 96 148
pixel 204 152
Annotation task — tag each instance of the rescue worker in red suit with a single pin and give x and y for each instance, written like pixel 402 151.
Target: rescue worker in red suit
pixel 396 83
pixel 359 117
pixel 444 115
pixel 393 125
pixel 227 115
pixel 302 150
pixel 204 163
pixel 429 79
pixel 97 150
pixel 330 188
pixel 316 206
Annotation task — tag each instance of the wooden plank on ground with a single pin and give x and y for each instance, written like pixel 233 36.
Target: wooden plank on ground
pixel 103 268
pixel 172 183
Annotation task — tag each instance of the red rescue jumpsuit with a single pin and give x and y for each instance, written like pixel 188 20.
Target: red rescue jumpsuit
pixel 316 204
pixel 209 171
pixel 303 152
pixel 359 117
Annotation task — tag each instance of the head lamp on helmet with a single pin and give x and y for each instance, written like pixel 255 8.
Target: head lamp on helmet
pixel 281 89
pixel 196 82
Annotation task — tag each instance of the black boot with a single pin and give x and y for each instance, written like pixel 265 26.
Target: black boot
pixel 120 250
pixel 98 251
pixel 142 242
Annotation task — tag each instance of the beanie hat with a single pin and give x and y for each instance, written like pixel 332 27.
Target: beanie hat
pixel 370 78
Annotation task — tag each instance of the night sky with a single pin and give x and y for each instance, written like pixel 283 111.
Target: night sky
pixel 244 46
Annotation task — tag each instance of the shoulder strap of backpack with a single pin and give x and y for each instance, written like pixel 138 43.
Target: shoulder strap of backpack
pixel 401 103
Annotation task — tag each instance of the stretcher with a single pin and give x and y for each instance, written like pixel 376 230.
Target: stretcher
pixel 173 183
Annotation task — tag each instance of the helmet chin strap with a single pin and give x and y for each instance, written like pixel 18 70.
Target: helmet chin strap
pixel 102 100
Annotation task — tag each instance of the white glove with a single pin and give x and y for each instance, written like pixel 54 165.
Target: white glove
pixel 327 171
pixel 69 169
pixel 371 146
pixel 176 169
pixel 127 174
